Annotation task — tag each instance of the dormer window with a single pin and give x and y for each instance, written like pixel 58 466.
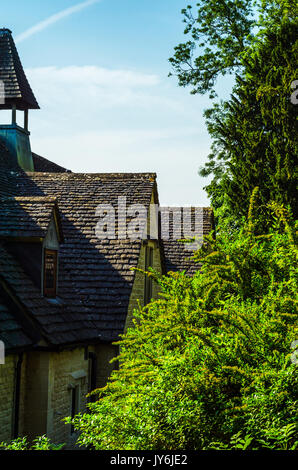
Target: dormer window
pixel 50 273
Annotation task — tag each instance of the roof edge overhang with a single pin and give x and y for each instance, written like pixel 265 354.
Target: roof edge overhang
pixel 75 344
pixel 20 104
pixel 29 324
pixel 23 239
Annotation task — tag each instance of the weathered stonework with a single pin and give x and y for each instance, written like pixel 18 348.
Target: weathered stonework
pixel 137 294
pixel 104 354
pixel 45 395
pixel 136 300
pixel 48 392
pixel 7 382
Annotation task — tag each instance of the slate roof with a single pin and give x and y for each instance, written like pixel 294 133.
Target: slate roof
pixel 17 88
pixel 14 331
pixel 197 221
pixel 95 276
pixel 11 332
pixel 26 216
pixel 51 318
pixel 42 164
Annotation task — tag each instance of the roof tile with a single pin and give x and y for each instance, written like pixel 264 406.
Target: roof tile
pixel 17 88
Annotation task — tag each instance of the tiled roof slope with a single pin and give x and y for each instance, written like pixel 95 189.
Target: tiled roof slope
pixel 6 166
pixel 17 88
pixel 177 255
pixel 8 185
pixel 11 331
pixel 95 276
pixel 58 324
pixel 26 216
pixel 42 164
pixel 95 279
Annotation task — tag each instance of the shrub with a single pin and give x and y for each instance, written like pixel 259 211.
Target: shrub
pixel 208 364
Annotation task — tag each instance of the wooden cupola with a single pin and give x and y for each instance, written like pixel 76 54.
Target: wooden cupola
pixel 15 94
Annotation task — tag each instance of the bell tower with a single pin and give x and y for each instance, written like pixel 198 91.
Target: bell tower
pixel 15 94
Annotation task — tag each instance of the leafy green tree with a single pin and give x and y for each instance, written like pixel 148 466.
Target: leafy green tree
pixel 208 364
pixel 254 133
pixel 220 31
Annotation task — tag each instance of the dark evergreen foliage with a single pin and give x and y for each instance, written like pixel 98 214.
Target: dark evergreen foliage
pixel 255 133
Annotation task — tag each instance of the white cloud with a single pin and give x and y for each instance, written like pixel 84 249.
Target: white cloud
pixel 95 95
pixel 89 89
pixel 85 76
pixel 94 119
pixel 88 85
pixel 54 19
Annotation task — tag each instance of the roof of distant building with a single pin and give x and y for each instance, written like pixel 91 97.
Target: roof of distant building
pixel 192 223
pixel 42 164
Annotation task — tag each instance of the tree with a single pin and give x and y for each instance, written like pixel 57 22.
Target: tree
pixel 208 365
pixel 254 133
pixel 221 30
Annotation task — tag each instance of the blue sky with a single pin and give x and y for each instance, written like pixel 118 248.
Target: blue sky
pixel 100 74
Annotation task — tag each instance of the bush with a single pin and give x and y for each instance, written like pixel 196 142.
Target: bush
pixel 208 364
pixel 40 443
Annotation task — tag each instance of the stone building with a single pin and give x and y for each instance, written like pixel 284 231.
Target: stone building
pixel 66 294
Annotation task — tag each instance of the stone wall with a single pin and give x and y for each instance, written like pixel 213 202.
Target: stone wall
pixel 7 383
pixel 136 300
pixel 68 369
pixel 137 294
pixel 104 354
pixel 7 397
pixel 47 379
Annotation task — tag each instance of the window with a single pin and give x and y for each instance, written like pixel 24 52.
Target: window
pixel 74 404
pixel 50 273
pixel 148 280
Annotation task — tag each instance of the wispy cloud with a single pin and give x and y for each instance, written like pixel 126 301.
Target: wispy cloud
pixel 53 19
pixel 121 120
pixel 88 89
pixel 103 98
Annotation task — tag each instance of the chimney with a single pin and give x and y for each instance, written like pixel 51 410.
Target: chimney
pixel 15 94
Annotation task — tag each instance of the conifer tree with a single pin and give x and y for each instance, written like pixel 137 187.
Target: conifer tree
pixel 254 134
